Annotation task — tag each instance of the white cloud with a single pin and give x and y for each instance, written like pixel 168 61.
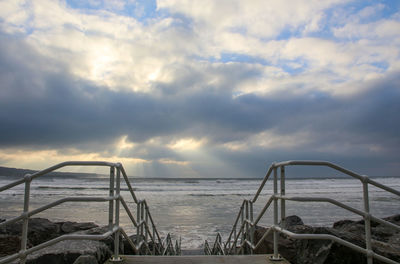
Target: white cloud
pixel 271 140
pixel 256 18
pixel 16 16
pixel 220 49
pixel 186 144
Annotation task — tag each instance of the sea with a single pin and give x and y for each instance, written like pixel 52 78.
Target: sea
pixel 194 210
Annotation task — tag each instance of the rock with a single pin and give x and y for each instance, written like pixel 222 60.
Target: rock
pixel 66 252
pixel 70 227
pixel 39 230
pixel 86 259
pixel 108 241
pixel 9 244
pixel 385 242
pixel 128 250
pixel 291 221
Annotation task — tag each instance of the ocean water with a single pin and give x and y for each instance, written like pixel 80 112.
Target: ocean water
pixel 196 209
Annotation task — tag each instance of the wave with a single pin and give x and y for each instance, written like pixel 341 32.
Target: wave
pixel 78 188
pixel 191 181
pixel 219 194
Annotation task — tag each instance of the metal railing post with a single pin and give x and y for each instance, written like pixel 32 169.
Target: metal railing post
pixel 234 241
pixel 142 225
pixel 247 236
pixel 117 233
pixel 367 222
pixel 146 232
pixel 276 254
pixel 138 237
pixel 24 235
pixel 241 226
pixel 111 203
pixel 154 240
pixel 252 227
pixel 283 202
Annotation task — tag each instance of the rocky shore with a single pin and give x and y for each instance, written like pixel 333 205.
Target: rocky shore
pixel 386 242
pixel 65 252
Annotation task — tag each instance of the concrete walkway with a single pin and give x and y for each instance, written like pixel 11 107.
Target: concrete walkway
pixel 237 259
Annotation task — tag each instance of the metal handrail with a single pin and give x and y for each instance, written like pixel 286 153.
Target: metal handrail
pixel 247 227
pixel 144 218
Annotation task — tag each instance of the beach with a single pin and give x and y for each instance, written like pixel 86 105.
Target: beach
pixel 196 209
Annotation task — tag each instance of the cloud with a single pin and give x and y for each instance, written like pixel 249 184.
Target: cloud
pixel 191 92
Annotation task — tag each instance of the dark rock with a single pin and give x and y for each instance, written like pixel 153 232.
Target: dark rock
pixel 386 242
pixel 128 250
pixel 70 227
pixel 291 221
pixel 86 259
pixel 9 244
pixel 69 250
pixel 108 241
pixel 39 230
pixel 395 219
pixel 343 223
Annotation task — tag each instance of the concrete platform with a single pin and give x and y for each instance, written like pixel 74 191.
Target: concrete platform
pixel 237 259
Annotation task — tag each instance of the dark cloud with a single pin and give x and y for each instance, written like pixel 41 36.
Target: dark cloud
pixel 43 106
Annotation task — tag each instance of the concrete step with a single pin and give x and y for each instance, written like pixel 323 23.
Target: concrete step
pixel 192 251
pixel 238 259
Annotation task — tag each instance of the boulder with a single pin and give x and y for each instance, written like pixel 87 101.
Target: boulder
pixel 69 250
pixel 86 259
pixel 128 250
pixel 385 242
pixel 39 230
pixel 9 244
pixel 70 227
pixel 291 221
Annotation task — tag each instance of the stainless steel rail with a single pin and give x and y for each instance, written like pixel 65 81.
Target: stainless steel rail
pixel 145 227
pixel 241 238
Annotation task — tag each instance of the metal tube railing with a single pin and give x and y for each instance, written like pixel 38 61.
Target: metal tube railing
pixel 114 199
pixel 283 202
pixel 111 203
pixel 24 238
pixel 276 254
pixel 248 226
pixel 116 235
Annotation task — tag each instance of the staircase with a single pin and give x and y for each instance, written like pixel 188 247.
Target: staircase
pixel 148 240
pixel 241 238
pixel 238 248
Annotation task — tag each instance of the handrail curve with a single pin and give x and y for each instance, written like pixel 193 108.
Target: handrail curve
pixel 246 230
pixel 144 222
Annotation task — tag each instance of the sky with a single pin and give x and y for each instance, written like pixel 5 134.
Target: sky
pixel 175 88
